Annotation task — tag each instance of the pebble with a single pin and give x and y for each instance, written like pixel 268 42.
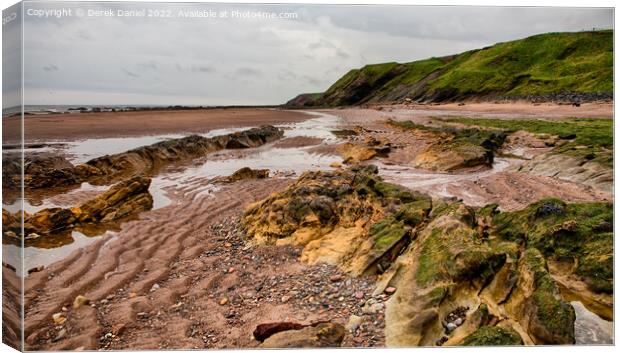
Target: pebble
pixel 59 318
pixel 155 287
pixel 61 334
pixel 359 295
pixel 223 301
pixel 285 298
pixel 372 309
pixel 79 301
pixel 231 270
pixel 354 323
pixel 390 290
pixel 117 329
pixel 458 322
pixel 450 327
pixel 336 278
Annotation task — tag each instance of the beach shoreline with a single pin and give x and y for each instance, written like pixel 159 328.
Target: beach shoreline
pixel 70 127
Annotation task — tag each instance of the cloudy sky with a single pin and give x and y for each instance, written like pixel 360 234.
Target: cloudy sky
pixel 224 61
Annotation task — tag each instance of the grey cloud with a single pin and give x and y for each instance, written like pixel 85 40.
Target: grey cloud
pixel 84 34
pixel 147 66
pixel 129 73
pixel 202 69
pixel 321 44
pixel 248 71
pixel 287 75
pixel 342 54
pixel 50 68
pixel 311 80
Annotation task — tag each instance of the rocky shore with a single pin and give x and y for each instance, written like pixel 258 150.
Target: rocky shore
pixel 346 255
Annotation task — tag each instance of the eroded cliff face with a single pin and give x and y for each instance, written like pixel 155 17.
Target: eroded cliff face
pixel 463 275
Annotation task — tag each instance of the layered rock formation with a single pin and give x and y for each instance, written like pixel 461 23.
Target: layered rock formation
pixel 461 275
pixel 46 171
pixel 121 200
pixel 573 169
pixel 313 336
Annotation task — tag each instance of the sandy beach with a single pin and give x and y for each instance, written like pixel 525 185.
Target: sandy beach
pixel 151 279
pixel 54 127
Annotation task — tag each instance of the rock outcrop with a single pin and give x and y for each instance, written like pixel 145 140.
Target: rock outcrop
pixel 470 276
pixel 348 217
pixel 121 200
pixel 363 149
pixel 573 169
pixel 51 172
pixel 40 170
pixel 453 149
pixel 243 174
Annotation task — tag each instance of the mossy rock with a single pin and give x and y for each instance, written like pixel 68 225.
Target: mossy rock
pixel 477 263
pixel 565 232
pixel 556 316
pixel 414 213
pixel 454 250
pixel 386 233
pixel 401 193
pixel 590 139
pixel 492 336
pixel 348 198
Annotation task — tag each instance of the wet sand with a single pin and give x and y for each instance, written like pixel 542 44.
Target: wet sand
pixel 164 277
pixel 69 127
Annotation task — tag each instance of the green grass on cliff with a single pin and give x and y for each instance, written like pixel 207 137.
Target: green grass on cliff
pixel 580 62
pixel 537 65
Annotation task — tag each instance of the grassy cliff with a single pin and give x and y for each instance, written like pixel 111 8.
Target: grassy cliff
pixel 542 65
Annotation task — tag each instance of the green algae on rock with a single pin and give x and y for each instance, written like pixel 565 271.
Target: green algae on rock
pixel 577 232
pixel 493 336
